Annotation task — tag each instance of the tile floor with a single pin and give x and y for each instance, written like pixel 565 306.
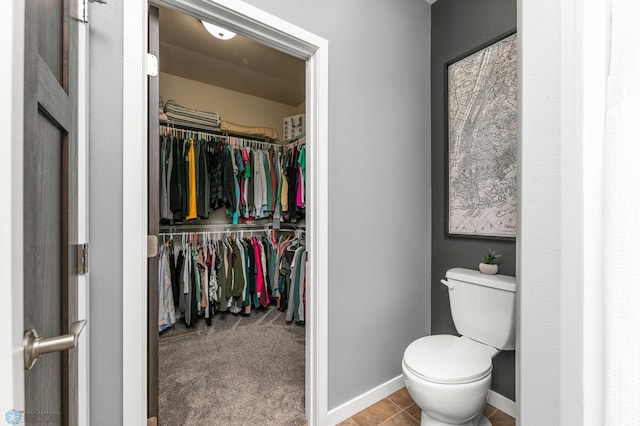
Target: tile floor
pixel 399 409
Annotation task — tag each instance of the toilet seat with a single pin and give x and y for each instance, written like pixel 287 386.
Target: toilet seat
pixel 447 359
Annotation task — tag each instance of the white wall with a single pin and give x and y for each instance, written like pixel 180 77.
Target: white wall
pixel 550 219
pixel 232 106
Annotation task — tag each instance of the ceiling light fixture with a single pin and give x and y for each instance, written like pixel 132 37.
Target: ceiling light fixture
pixel 218 32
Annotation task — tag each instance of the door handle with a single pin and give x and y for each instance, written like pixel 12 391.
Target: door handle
pixel 35 346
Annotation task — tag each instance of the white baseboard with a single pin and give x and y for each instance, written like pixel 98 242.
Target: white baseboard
pixel 502 403
pixel 365 400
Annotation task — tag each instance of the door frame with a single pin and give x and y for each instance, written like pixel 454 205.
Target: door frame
pixel 84 344
pixel 279 34
pixel 11 171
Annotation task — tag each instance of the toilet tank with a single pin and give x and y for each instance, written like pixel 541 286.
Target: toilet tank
pixel 483 306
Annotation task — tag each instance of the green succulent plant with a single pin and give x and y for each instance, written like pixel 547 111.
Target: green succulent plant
pixel 490 257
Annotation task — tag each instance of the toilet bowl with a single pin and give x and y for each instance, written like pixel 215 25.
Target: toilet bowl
pixel 449 376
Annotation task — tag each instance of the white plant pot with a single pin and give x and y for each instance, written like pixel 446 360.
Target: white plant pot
pixel 488 269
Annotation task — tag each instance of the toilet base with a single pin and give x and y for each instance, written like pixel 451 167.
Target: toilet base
pixel 483 421
pixel 427 420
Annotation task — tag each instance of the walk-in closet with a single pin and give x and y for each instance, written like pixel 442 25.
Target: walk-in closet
pixel 227 191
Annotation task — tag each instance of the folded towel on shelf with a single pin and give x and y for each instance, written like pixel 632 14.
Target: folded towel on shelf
pixel 179 114
pixel 162 115
pixel 239 129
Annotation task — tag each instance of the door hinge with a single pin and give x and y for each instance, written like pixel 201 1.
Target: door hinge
pixel 152 65
pixel 83 258
pixel 80 9
pixel 152 245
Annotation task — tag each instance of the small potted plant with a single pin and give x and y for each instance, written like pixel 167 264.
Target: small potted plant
pixel 489 263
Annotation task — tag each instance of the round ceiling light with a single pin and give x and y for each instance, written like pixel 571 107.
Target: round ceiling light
pixel 218 32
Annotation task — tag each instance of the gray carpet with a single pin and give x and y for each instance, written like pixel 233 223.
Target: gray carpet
pixel 240 371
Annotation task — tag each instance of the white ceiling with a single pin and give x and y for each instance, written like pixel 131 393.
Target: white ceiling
pixel 240 64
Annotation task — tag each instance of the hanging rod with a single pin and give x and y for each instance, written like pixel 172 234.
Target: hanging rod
pixel 224 227
pixel 293 144
pixel 192 127
pixel 231 139
pixel 228 231
pixel 220 232
pixel 212 133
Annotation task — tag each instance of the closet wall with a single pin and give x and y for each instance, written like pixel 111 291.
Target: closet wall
pixel 232 106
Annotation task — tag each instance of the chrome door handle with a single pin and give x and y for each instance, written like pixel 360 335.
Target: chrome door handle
pixel 35 346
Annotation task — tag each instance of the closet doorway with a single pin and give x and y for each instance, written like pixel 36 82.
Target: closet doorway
pixel 183 71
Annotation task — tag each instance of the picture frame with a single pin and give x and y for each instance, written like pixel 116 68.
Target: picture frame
pixel 481 123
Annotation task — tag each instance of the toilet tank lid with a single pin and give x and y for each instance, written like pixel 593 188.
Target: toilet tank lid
pixel 502 282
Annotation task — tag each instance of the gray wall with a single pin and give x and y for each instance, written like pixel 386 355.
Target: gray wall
pixel 380 206
pixel 105 213
pixel 459 26
pixel 379 201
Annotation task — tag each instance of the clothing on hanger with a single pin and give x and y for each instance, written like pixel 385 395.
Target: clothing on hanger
pixel 201 172
pixel 231 274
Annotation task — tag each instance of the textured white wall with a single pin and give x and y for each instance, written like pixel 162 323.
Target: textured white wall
pixel 550 223
pixel 539 213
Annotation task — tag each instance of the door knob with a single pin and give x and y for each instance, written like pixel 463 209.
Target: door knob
pixel 35 346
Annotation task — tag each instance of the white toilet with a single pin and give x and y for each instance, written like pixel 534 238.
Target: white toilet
pixel 449 376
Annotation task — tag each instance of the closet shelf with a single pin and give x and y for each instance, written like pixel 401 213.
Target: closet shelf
pixel 191 127
pixel 211 130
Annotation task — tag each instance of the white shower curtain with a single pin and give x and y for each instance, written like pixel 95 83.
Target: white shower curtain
pixel 621 213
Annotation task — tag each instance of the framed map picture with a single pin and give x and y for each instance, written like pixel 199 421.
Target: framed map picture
pixel 482 124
